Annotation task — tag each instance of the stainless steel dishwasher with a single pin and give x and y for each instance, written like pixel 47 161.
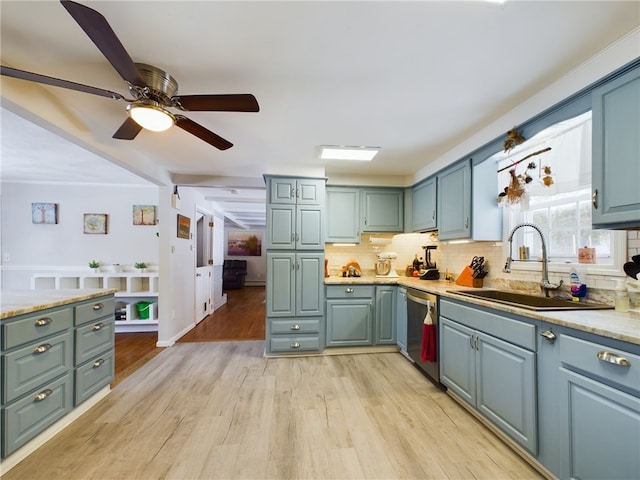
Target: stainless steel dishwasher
pixel 418 304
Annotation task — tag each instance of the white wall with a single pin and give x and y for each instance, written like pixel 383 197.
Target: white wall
pixel 38 247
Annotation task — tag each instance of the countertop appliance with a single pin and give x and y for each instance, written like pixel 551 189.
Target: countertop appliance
pixel 420 303
pixel 385 265
pixel 431 269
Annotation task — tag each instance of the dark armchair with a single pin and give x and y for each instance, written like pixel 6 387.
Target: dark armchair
pixel 233 273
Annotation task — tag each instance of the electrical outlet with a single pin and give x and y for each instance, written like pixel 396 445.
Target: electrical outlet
pixel 6 257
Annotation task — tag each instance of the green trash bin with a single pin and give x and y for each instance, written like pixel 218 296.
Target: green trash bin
pixel 143 310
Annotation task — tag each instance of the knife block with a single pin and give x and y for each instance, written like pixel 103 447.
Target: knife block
pixel 466 279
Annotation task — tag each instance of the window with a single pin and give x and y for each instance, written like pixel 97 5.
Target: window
pixel 561 208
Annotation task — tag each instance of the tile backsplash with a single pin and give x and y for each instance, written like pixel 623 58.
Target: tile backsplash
pixel 454 257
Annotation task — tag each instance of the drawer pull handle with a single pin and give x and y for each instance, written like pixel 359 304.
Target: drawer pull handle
pixel 98 306
pixel 41 322
pixel 613 358
pixel 549 336
pixel 295 327
pixel 349 290
pixel 98 326
pixel 295 345
pixel 42 395
pixel 98 363
pixel 42 348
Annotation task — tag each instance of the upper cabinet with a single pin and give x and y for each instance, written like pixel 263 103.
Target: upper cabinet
pixel 616 153
pixel 343 214
pixel 454 202
pixel 424 206
pixel 300 191
pixel 382 209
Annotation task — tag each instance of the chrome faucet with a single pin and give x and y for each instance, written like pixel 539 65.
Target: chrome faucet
pixel 545 284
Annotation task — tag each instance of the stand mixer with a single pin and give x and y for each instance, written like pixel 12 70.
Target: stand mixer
pixel 386 265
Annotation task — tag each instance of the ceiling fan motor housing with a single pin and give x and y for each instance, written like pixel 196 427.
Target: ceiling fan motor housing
pixel 160 85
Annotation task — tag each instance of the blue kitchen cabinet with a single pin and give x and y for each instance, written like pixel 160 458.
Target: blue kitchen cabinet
pixel 489 361
pixel 385 315
pixel 599 408
pixel 295 227
pixel 382 209
pixel 343 214
pixel 616 152
pixel 424 206
pixel 295 191
pixel 350 315
pixel 401 319
pixel 454 201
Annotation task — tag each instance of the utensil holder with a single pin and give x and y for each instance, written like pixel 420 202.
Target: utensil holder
pixel 466 279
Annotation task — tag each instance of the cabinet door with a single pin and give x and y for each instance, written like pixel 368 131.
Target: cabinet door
pixel 600 428
pixel 457 359
pixel 343 214
pixel 505 377
pixel 401 319
pixel 310 191
pixel 281 223
pixel 424 206
pixel 616 150
pixel 385 331
pixel 282 190
pixel 281 288
pixel 309 228
pixel 309 284
pixel 349 322
pixel 454 202
pixel 382 210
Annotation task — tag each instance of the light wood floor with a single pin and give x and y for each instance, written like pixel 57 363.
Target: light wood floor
pixel 222 410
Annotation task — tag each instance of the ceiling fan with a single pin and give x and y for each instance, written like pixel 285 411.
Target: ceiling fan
pixel 153 89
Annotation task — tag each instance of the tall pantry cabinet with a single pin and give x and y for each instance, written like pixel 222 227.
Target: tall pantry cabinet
pixel 295 264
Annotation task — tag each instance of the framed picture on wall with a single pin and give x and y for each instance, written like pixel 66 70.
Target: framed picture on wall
pixel 184 226
pixel 44 213
pixel 95 223
pixel 144 215
pixel 243 244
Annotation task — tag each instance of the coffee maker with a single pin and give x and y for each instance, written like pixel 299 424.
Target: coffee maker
pixel 431 270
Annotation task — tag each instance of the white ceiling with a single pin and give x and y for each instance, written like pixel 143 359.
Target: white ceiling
pixel 415 78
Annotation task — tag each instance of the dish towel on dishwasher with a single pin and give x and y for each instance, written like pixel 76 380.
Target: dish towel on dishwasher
pixel 429 345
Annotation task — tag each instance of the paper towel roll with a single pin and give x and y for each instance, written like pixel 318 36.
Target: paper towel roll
pixel 379 241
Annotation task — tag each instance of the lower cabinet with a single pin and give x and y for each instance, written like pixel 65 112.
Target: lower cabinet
pixel 290 335
pixel 385 315
pixel 599 391
pixel 401 319
pixel 497 376
pixel 52 360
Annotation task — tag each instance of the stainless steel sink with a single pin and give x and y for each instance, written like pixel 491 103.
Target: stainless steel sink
pixel 530 302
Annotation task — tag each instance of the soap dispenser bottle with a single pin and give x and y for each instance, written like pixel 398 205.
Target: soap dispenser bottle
pixel 622 297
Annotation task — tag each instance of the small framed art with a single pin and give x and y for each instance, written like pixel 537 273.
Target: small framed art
pixel 184 226
pixel 44 213
pixel 144 215
pixel 95 223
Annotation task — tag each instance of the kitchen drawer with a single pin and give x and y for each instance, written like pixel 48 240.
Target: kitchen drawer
pixel 94 338
pixel 32 414
pixel 293 343
pixel 32 327
pixel 350 291
pixel 576 353
pixel 27 368
pixel 92 376
pixel 292 326
pixel 94 309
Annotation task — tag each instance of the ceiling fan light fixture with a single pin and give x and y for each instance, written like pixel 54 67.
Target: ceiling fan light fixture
pixel 362 154
pixel 151 116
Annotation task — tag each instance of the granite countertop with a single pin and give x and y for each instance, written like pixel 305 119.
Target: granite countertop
pixel 19 302
pixel 606 323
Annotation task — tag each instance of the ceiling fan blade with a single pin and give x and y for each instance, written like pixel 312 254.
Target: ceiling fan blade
pixel 202 133
pixel 57 82
pixel 217 103
pixel 101 33
pixel 128 130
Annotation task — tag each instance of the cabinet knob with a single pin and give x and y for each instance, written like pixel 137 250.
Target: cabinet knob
pixel 295 327
pixel 549 336
pixel 613 358
pixel 42 348
pixel 295 345
pixel 348 290
pixel 42 395
pixel 98 306
pixel 41 322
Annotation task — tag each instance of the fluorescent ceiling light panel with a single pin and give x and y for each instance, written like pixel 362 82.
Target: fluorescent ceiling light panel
pixel 363 154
